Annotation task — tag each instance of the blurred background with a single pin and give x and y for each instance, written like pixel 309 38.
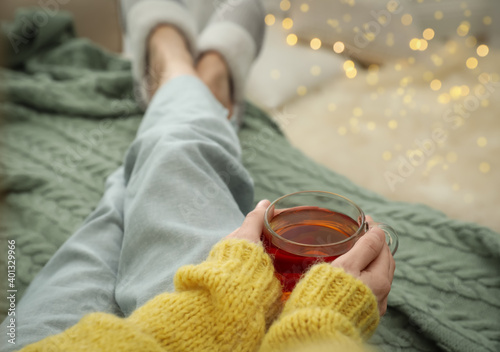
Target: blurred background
pixel 400 96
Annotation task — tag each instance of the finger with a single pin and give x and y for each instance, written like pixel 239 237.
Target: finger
pixel 382 264
pixel 366 250
pixel 251 228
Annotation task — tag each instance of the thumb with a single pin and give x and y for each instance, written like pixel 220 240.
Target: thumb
pixel 251 228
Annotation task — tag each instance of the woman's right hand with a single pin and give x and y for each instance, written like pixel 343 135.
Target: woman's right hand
pixel 371 261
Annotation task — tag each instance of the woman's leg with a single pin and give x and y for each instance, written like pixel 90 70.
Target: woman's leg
pixel 185 185
pixel 78 279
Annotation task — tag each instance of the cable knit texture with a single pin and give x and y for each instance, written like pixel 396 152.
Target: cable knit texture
pixel 71 115
pixel 225 304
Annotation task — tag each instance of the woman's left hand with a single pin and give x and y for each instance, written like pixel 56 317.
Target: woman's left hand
pixel 252 226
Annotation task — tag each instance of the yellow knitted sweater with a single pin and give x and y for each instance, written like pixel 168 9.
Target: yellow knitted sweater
pixel 231 302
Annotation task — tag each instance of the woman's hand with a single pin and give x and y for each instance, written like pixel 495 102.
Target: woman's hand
pixel 371 261
pixel 251 229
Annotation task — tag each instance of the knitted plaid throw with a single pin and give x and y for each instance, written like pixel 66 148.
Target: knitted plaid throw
pixel 69 117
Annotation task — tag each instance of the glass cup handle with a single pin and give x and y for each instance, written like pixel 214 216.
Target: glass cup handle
pixel 391 236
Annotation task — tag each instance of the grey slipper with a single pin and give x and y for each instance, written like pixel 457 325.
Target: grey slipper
pixel 141 17
pixel 236 31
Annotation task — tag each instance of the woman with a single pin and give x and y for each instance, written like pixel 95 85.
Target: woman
pixel 181 189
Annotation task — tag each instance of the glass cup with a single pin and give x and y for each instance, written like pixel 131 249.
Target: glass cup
pixel 303 228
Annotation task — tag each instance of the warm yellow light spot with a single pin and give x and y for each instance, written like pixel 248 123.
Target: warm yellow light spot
pixel 487 20
pixel 484 167
pixel 348 64
pixel 270 19
pixel 438 15
pixel 347 18
pixel 455 187
pixel 445 167
pixel 338 47
pixel 428 76
pixel 275 74
pixel 485 103
pixel 471 63
pixel 369 36
pixel 482 50
pixel 455 92
pixel 332 107
pixel 415 44
pixel 435 84
pixel 304 7
pixel 291 39
pixel 423 44
pixel 407 99
pixel 387 155
pixel 372 78
pixel 398 67
pixel 333 23
pixel 392 5
pixel 444 98
pixel 467 13
pixel 393 124
pixel 463 28
pixel 451 157
pixel 285 5
pixel 315 43
pixel 382 19
pixel 470 41
pixel 287 23
pixel 351 73
pixel 342 131
pixel 357 111
pixel 301 90
pixel 315 70
pixel 406 19
pixel 482 141
pixel 428 33
pixel 371 125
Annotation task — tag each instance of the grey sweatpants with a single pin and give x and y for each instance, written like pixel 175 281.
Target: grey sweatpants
pixel 181 189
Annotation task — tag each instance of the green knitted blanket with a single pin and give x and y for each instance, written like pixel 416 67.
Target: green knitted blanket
pixel 69 117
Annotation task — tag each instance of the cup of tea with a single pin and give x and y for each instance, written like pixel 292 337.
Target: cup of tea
pixel 304 228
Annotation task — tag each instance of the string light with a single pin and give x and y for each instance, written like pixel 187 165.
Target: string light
pixel 270 19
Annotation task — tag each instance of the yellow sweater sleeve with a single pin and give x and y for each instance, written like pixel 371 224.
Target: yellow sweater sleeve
pixel 226 304
pixel 222 304
pixel 327 308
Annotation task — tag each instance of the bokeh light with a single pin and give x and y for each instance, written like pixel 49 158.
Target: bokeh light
pixel 315 43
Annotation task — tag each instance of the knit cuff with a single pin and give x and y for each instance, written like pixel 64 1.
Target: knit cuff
pixel 327 287
pixel 237 267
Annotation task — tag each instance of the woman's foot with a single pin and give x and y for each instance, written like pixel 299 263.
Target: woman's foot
pixel 214 72
pixel 168 56
pixel 235 31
